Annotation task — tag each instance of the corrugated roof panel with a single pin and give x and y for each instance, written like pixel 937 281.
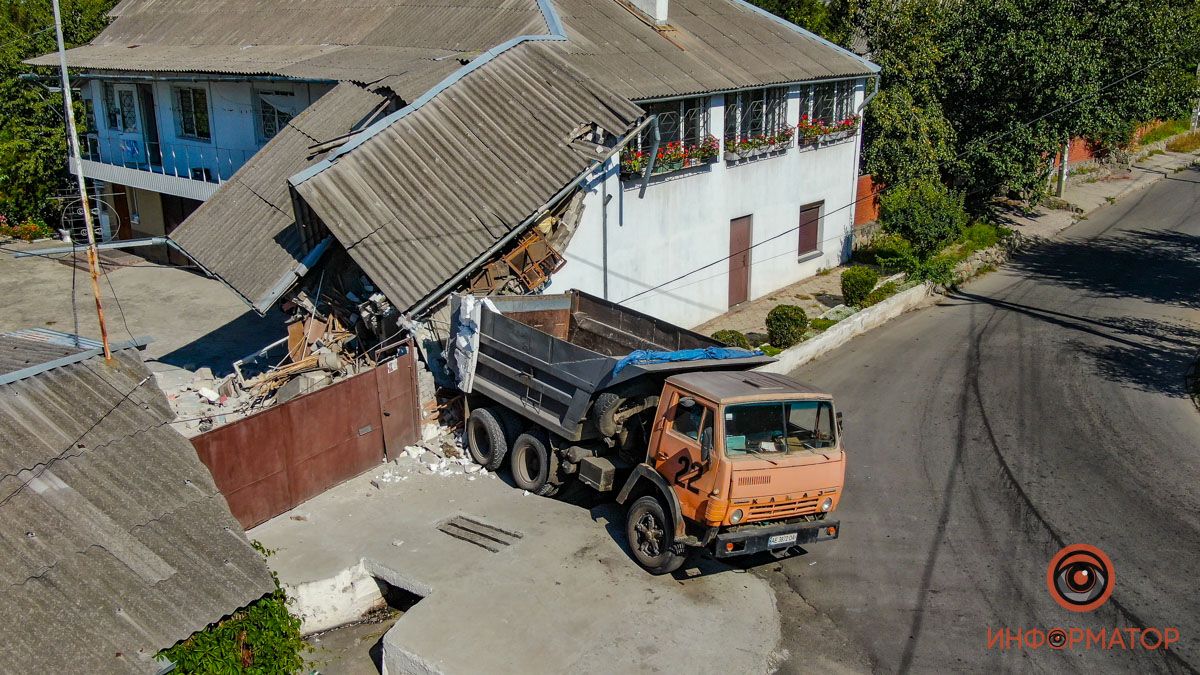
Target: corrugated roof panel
pixel 327 40
pixel 244 232
pixel 114 542
pixel 426 196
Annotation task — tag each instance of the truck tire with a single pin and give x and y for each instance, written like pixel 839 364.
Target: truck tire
pixel 533 464
pixel 605 408
pixel 651 536
pixel 485 438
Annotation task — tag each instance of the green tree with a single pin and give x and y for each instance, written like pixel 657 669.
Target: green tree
pixel 831 20
pixel 906 133
pixel 32 139
pixel 1026 75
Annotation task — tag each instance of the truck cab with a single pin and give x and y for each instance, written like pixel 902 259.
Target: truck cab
pixel 737 463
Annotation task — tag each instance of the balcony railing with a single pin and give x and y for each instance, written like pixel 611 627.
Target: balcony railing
pixel 207 163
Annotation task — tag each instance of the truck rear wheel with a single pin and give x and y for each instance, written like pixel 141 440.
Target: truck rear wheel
pixel 533 464
pixel 485 438
pixel 651 536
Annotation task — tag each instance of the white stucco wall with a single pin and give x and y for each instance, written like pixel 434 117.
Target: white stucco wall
pixel 682 227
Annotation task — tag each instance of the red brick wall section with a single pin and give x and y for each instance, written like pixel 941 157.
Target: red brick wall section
pixel 866 210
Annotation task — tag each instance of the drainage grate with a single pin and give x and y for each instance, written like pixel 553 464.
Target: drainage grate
pixel 481 534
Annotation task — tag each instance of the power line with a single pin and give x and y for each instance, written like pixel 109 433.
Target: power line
pixel 27 36
pixel 972 148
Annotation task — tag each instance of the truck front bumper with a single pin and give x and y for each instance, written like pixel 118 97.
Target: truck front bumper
pixel 757 538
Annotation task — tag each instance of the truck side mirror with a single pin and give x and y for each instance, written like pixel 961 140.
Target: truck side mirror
pixel 706 445
pixel 839 421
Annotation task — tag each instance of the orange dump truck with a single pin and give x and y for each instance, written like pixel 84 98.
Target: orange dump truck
pixel 704 452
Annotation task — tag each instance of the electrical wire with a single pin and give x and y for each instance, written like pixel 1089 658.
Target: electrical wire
pixel 977 145
pixel 27 36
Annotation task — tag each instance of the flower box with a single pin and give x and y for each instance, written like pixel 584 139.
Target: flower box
pixel 671 157
pixel 814 133
pixel 751 153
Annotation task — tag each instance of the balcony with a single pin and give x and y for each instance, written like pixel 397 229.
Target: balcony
pixel 186 170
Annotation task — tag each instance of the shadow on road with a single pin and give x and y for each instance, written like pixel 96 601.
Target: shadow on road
pixel 1147 354
pixel 1155 266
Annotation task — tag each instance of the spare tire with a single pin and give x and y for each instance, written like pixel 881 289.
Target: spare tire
pixel 605 410
pixel 485 438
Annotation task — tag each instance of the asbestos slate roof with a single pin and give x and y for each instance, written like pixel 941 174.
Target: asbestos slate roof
pixel 29 347
pixel 714 45
pixel 363 41
pixel 114 542
pixel 244 233
pixel 431 192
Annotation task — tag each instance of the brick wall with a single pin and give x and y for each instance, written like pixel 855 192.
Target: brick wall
pixel 866 210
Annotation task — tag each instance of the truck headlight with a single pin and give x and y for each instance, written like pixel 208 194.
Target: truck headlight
pixel 827 504
pixel 736 516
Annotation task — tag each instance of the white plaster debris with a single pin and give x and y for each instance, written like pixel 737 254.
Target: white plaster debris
pixel 442 455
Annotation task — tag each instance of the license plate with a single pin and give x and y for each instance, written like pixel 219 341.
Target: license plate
pixel 781 539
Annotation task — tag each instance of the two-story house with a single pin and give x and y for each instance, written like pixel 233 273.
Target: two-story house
pixel 421 140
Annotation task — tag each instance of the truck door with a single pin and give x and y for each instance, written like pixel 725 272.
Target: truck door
pixel 678 457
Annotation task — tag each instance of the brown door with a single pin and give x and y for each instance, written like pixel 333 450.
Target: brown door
pixel 810 228
pixel 740 234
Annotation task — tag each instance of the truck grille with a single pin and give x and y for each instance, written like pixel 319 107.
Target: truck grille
pixel 781 510
pixel 763 479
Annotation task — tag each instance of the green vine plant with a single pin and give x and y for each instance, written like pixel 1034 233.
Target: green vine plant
pixel 262 637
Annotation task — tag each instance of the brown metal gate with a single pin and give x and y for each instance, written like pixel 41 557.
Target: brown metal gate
pixel 270 462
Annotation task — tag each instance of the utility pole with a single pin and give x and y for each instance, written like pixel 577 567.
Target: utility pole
pixel 73 142
pixel 1196 110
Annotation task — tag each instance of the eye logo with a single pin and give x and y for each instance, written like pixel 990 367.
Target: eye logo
pixel 1080 578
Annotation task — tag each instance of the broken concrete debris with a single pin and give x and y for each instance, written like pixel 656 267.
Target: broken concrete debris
pixel 443 455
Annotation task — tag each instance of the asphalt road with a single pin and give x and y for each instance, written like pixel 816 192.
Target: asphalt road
pixel 1039 406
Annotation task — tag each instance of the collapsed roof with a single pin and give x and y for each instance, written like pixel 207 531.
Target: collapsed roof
pixel 464 169
pixel 114 541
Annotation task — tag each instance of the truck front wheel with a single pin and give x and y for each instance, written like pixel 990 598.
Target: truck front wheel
pixel 533 463
pixel 651 536
pixel 485 438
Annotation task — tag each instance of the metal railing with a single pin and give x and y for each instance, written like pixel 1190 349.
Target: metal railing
pixel 208 163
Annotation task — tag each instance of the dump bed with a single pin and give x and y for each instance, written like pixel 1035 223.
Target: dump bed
pixel 546 356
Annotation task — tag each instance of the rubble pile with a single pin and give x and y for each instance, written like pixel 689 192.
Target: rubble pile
pixel 201 401
pixel 443 455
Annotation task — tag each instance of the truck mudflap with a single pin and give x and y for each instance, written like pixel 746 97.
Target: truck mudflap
pixel 755 539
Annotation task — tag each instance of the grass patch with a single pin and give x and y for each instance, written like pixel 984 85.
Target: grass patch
pixel 1165 130
pixel 1154 152
pixel 1085 170
pixel 1188 143
pixel 769 350
pixel 820 324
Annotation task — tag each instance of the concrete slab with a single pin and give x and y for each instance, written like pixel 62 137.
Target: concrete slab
pixel 564 597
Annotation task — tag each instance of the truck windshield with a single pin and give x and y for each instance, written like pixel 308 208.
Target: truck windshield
pixel 781 427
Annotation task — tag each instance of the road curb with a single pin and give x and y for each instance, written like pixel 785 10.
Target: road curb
pixel 852 326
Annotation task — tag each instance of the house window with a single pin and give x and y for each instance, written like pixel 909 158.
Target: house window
pixel 810 228
pixel 684 121
pixel 191 113
pixel 755 114
pixel 684 138
pixel 832 101
pixel 271 113
pixel 120 108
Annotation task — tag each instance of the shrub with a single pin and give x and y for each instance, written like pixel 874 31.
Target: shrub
pixel 27 231
pixel 263 637
pixel 924 212
pixel 1189 143
pixel 786 325
pixel 880 294
pixel 820 324
pixel 981 235
pixel 732 338
pixel 857 282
